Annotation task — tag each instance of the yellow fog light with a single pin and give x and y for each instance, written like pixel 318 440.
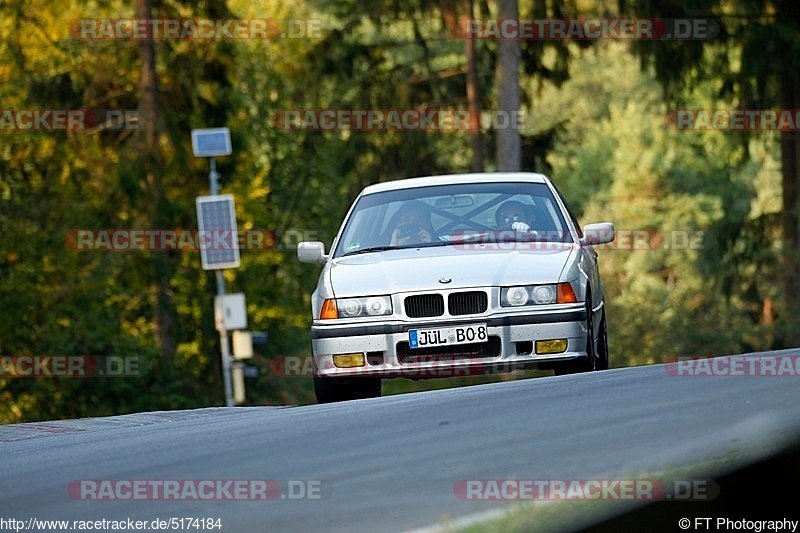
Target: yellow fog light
pixel 348 360
pixel 551 346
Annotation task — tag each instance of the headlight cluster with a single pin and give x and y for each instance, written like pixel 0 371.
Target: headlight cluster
pixel 357 307
pixel 537 295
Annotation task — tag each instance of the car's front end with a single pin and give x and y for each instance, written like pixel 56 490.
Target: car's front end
pixel 486 326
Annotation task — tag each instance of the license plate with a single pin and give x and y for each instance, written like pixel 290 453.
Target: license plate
pixel 424 338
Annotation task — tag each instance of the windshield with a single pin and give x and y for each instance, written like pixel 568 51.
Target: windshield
pixel 447 214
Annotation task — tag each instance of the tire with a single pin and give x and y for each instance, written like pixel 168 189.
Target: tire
pixel 590 363
pixel 328 390
pixel 602 346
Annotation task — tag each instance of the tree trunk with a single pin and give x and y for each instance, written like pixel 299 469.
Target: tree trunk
pixel 790 215
pixel 161 294
pixel 473 97
pixel 790 168
pixel 507 75
pixel 148 92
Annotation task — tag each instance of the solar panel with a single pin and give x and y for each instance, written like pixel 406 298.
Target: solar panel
pixel 217 236
pixel 211 142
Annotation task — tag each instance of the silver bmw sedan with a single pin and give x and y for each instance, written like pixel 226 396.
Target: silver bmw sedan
pixel 456 275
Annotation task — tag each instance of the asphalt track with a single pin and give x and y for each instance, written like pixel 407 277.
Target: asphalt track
pixel 391 464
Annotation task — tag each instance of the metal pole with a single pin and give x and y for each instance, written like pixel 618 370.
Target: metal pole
pixel 213 184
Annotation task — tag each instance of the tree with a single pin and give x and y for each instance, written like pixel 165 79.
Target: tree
pixel 508 93
pixel 164 313
pixel 473 96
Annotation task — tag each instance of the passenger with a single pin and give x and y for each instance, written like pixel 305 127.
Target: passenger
pixel 413 225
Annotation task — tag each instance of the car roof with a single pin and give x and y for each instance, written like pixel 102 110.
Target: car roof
pixel 450 179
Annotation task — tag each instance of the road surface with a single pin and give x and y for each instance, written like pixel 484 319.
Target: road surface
pixel 390 464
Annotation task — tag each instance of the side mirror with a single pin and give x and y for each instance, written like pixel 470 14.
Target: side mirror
pixel 600 233
pixel 311 252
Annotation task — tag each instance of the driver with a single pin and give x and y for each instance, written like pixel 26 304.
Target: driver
pixel 513 215
pixel 413 225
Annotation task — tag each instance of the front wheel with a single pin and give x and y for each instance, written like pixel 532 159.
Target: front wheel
pixel 328 390
pixel 602 346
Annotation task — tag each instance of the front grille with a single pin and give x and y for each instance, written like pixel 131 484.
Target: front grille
pixel 490 348
pixel 424 305
pixel 467 303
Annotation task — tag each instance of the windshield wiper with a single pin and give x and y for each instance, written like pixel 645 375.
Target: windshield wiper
pixel 432 244
pixel 374 249
pixel 409 247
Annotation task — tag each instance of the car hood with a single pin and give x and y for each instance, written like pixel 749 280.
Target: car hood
pixel 418 269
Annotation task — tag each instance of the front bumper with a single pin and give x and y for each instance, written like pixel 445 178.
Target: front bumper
pixel 386 356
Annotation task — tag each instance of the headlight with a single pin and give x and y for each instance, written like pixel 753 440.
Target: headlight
pixel 350 308
pixel 543 294
pixel 537 295
pixel 514 296
pixel 360 307
pixel 379 306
